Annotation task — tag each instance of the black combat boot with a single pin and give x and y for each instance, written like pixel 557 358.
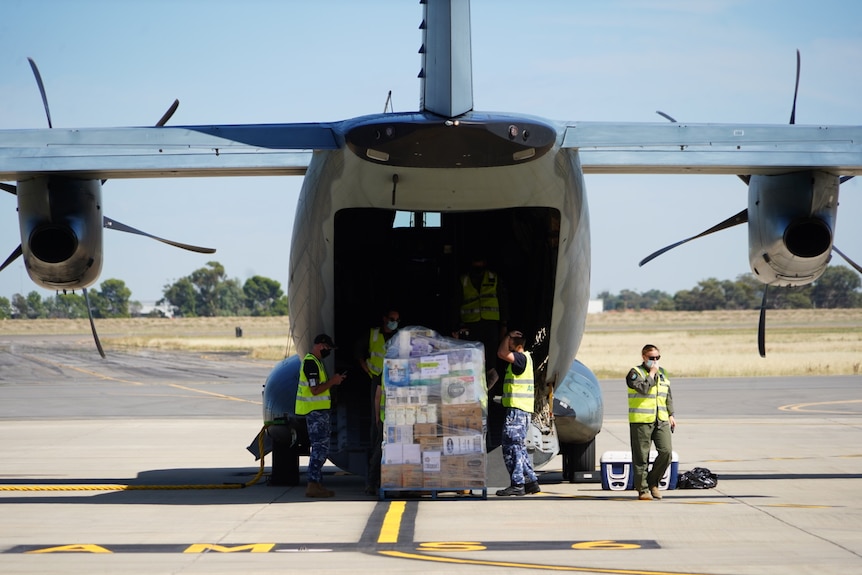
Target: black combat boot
pixel 512 490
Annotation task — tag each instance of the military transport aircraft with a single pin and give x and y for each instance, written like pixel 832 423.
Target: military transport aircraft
pixel 508 184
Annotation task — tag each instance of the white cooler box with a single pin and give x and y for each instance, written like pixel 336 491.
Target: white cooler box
pixel 617 470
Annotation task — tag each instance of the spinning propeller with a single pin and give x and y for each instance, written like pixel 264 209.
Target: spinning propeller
pixel 743 217
pixel 106 221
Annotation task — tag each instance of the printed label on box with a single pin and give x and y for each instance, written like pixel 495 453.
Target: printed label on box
pixel 433 366
pixel 463 444
pixel 431 461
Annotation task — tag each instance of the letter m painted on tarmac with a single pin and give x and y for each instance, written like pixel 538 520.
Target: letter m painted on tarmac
pixel 251 548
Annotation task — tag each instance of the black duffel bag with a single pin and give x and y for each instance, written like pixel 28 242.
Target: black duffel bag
pixel 697 478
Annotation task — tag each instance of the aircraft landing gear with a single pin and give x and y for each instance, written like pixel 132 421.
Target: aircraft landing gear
pixel 579 462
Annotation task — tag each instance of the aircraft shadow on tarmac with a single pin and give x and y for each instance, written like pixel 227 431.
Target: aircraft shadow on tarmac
pixel 224 486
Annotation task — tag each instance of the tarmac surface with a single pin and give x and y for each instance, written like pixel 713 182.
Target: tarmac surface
pixel 133 465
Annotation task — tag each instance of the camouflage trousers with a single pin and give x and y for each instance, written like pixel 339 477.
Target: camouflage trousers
pixel 319 431
pixel 518 461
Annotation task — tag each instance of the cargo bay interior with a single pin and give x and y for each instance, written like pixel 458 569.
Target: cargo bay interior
pixel 412 262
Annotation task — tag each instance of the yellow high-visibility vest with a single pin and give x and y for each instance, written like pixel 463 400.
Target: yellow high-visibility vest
pixel 518 390
pixel 482 304
pixel 306 402
pixel 376 351
pixel 652 406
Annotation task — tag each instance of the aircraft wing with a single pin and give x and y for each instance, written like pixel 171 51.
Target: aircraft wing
pixel 677 148
pixel 285 149
pixel 152 152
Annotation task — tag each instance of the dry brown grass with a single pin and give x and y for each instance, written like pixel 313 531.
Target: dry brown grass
pixel 693 344
pixel 724 343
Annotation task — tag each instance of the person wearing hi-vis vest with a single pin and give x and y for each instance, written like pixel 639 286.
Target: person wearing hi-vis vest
pixel 518 399
pixel 313 401
pixel 370 351
pixel 650 421
pixel 483 307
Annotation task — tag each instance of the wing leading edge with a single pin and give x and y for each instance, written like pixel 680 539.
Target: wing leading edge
pixel 660 148
pixel 285 149
pixel 152 152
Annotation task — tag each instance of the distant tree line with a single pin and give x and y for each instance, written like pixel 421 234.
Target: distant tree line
pixel 208 292
pixel 838 287
pixel 205 292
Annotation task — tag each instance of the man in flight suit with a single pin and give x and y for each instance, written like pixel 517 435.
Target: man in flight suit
pixel 650 420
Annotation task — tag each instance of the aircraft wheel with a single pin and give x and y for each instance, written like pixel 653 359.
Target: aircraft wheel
pixel 578 457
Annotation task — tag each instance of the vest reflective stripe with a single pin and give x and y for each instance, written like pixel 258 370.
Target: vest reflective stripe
pixel 652 406
pixel 382 401
pixel 518 390
pixel 306 402
pixel 482 304
pixel 376 351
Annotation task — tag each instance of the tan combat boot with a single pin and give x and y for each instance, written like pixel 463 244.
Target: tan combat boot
pixel 315 489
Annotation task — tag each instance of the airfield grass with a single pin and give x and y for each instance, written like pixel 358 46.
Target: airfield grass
pixel 693 344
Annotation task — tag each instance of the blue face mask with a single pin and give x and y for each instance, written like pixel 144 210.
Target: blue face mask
pixel 650 362
pixel 392 325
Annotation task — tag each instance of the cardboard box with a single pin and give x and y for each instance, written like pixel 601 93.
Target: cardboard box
pixel 616 467
pixel 393 454
pixel 412 453
pixel 425 430
pixel 399 434
pixel 431 443
pixel 458 390
pixel 390 476
pixel 463 444
pixel 457 419
pixel 431 462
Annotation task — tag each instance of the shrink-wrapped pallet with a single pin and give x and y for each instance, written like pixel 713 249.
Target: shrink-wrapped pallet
pixel 435 412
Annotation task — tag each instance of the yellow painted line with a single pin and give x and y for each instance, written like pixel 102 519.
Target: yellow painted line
pixel 510 564
pixel 392 522
pixel 798 506
pixel 804 407
pixel 218 395
pixel 118 380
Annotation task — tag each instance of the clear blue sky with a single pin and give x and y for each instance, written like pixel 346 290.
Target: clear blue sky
pixel 122 62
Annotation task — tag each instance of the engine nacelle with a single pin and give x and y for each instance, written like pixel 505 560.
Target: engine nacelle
pixel 279 403
pixel 61 230
pixel 791 223
pixel 578 405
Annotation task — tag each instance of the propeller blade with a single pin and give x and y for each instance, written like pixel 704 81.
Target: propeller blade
pixel 167 115
pixel 836 250
pixel 666 117
pixel 795 90
pixel 41 90
pixel 739 218
pixel 93 325
pixel 761 326
pixel 164 119
pixel 9 188
pixel 121 227
pixel 12 257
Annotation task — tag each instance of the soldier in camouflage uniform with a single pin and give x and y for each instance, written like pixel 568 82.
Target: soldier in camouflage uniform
pixel 313 401
pixel 518 399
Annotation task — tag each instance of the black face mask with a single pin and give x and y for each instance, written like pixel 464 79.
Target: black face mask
pixel 324 353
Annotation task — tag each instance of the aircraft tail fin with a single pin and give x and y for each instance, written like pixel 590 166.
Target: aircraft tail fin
pixel 446 77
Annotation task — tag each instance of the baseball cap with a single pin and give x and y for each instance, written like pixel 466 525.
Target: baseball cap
pixel 323 338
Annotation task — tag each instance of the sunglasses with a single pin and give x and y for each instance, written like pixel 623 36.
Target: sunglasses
pixel 654 357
